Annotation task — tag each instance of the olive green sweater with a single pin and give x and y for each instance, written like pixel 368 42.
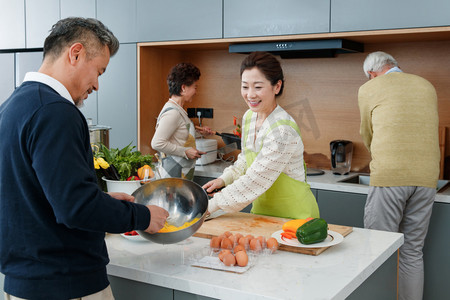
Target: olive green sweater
pixel 399 126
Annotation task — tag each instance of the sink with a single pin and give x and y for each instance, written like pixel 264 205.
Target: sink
pixel 365 180
pixel 357 179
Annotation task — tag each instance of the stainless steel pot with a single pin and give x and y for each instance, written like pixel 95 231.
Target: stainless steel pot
pixel 183 199
pixel 99 134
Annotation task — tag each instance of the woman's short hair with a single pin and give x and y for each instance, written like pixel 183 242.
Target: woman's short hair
pixel 376 61
pixel 182 73
pixel 87 31
pixel 267 64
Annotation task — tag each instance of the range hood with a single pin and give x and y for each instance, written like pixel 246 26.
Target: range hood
pixel 301 49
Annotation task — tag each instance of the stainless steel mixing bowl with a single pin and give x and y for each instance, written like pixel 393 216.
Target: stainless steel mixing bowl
pixel 183 199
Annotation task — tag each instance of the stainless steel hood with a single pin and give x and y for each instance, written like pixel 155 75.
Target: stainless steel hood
pixel 300 49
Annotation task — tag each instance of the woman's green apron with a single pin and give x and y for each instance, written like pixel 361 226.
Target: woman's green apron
pixel 287 197
pixel 175 166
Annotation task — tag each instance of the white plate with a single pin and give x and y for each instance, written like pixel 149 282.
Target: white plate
pixel 135 238
pixel 333 238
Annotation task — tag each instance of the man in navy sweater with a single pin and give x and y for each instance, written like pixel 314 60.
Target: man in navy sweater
pixel 53 216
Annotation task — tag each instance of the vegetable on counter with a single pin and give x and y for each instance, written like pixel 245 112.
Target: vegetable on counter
pixel 290 227
pixel 313 231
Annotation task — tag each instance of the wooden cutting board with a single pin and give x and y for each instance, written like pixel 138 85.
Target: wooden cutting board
pixel 258 225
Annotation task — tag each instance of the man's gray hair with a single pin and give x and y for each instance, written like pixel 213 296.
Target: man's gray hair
pixel 376 61
pixel 87 31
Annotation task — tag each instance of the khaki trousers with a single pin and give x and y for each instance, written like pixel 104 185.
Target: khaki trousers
pixel 105 294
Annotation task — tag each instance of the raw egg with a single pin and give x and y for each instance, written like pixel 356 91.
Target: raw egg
pixel 223 253
pixel 227 233
pixel 250 237
pixel 226 244
pixel 229 260
pixel 272 244
pixel 244 241
pixel 233 239
pixel 241 258
pixel 255 245
pixel 215 243
pixel 238 248
pixel 262 240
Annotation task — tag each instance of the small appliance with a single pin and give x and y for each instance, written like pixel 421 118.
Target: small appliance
pixel 341 156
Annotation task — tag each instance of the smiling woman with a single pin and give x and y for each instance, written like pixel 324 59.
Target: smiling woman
pixel 272 158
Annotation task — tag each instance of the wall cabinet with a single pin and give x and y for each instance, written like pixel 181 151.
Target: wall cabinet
pixel 120 16
pixel 117 97
pixel 12 24
pixel 265 17
pixel 79 8
pixel 179 20
pixel 6 75
pixel 40 17
pixel 354 15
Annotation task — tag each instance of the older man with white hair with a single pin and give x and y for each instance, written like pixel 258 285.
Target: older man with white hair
pixel 399 127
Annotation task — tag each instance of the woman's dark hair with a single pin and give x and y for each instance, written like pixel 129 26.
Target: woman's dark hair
pixel 87 31
pixel 267 64
pixel 183 73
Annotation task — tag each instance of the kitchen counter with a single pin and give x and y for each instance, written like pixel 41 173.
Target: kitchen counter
pixel 330 181
pixel 327 181
pixel 334 274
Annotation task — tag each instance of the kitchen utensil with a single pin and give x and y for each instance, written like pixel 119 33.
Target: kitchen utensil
pixel 259 225
pixel 227 138
pixel 332 239
pixel 99 134
pixel 225 149
pixel 341 156
pixel 183 199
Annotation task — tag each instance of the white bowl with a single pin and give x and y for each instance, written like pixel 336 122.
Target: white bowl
pixel 122 186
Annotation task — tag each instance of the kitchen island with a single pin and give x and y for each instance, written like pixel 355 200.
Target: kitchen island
pixel 363 266
pixel 343 203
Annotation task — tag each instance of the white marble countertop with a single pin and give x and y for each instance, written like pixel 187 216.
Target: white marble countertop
pixel 282 275
pixel 327 181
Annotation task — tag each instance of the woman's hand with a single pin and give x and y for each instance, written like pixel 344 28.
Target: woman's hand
pixel 158 217
pixel 212 185
pixel 121 196
pixel 193 153
pixel 204 130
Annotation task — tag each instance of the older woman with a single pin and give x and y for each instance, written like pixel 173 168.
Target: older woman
pixel 174 137
pixel 270 171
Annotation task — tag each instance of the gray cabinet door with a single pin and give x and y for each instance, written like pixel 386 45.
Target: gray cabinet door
pixel 265 17
pixel 179 20
pixel 79 8
pixel 6 75
pixel 117 97
pixel 40 17
pixel 354 15
pixel 12 24
pixel 120 17
pixel 342 208
pixel 436 253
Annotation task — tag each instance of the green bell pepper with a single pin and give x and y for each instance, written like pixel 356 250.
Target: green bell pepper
pixel 313 231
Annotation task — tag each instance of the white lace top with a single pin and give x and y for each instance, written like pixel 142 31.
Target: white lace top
pixel 281 151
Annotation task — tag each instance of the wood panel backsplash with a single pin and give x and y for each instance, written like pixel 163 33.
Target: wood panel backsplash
pixel 320 93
